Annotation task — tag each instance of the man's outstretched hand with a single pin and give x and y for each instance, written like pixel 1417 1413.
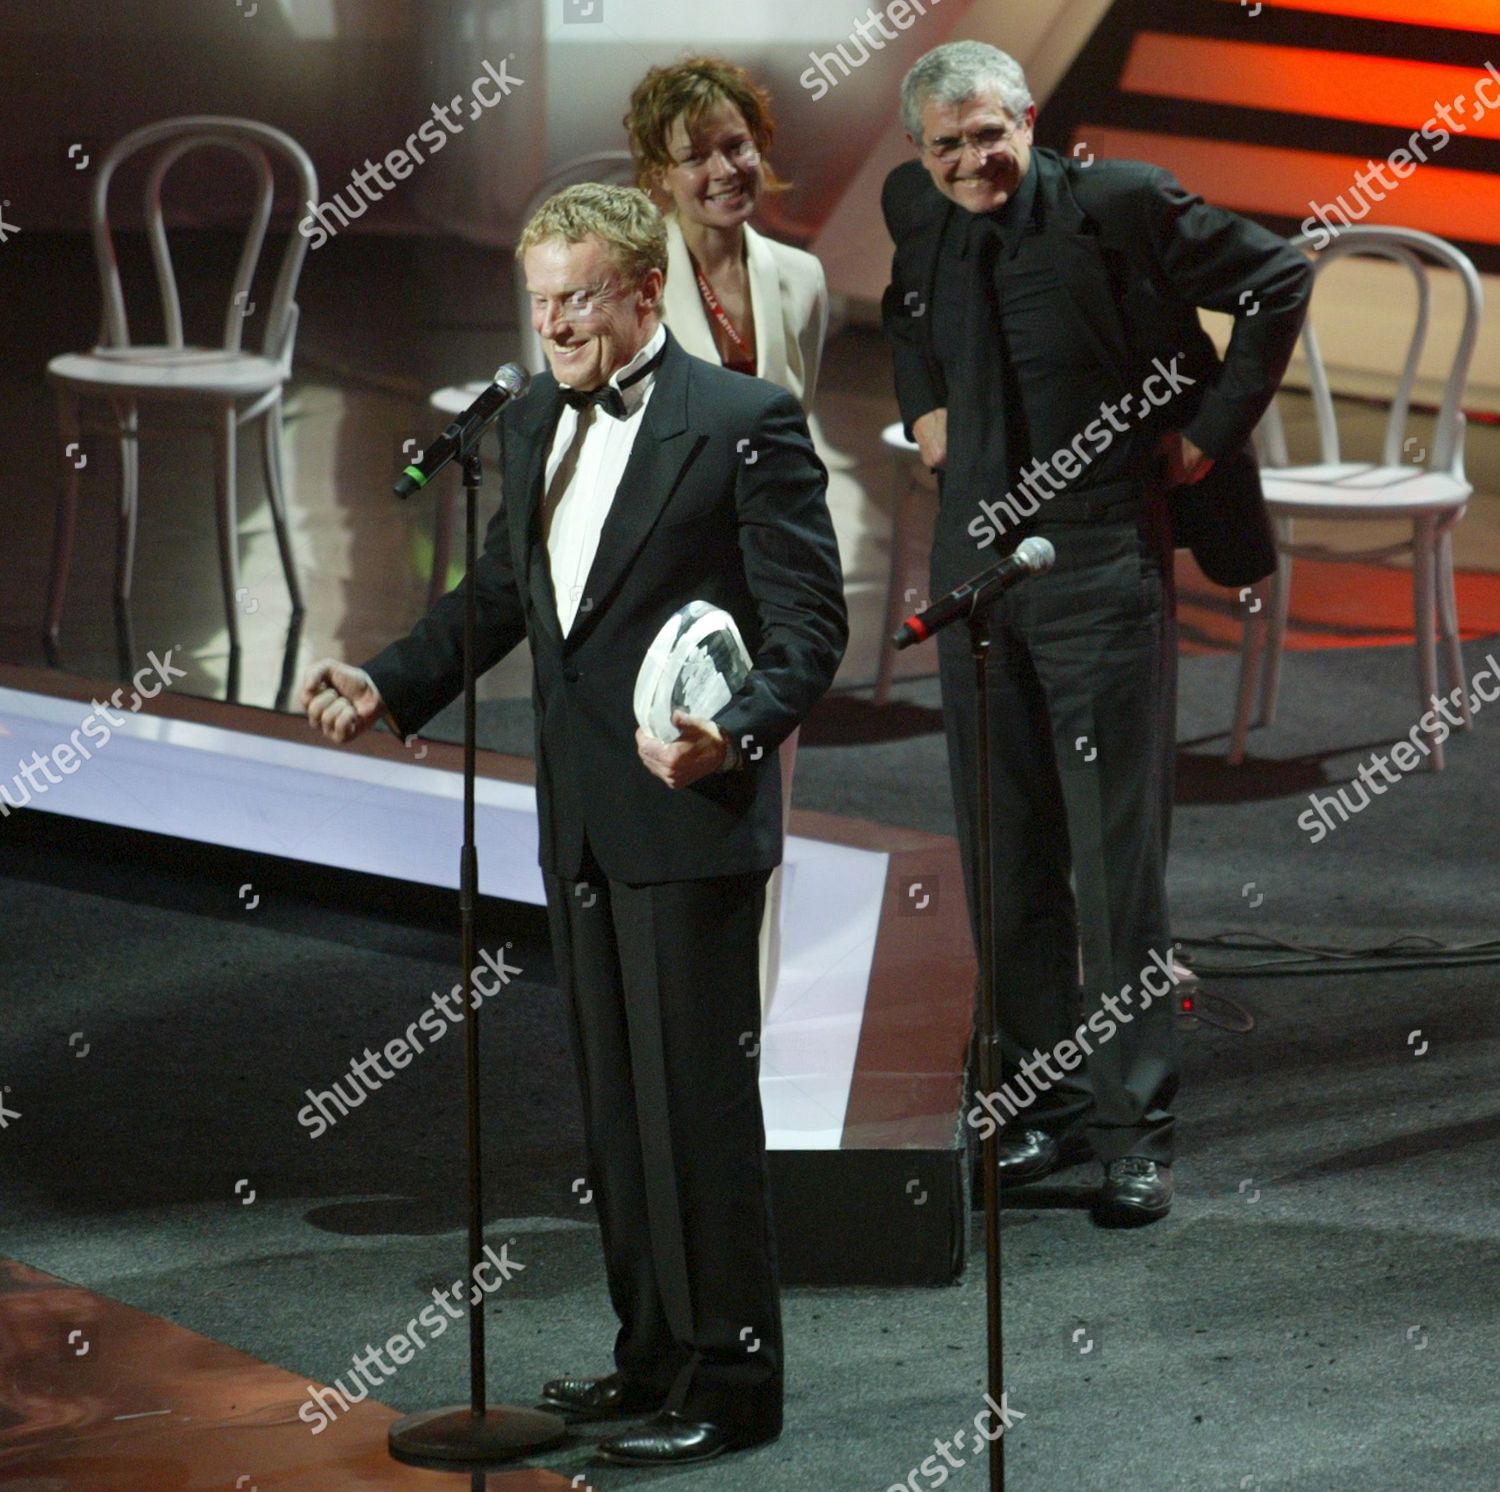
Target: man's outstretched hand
pixel 340 700
pixel 698 752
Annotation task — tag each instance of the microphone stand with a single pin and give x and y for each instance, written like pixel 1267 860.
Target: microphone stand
pixel 982 593
pixel 989 1034
pixel 457 1438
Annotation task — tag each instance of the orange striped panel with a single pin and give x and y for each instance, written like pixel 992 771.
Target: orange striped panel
pixel 1267 179
pixel 1454 15
pixel 1297 80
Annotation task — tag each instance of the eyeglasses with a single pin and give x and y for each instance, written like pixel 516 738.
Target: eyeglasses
pixel 948 148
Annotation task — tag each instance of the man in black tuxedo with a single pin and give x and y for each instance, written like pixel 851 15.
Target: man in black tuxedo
pixel 1051 366
pixel 636 479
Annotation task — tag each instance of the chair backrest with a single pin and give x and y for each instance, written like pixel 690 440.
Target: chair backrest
pixel 173 139
pixel 1413 248
pixel 611 167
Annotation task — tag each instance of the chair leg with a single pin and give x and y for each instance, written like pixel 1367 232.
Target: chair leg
pixel 1252 651
pixel 895 583
pixel 1280 597
pixel 276 493
pixel 1424 605
pixel 130 474
pixel 66 521
pixel 1447 601
pixel 224 480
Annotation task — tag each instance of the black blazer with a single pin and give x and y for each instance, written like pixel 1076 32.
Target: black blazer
pixel 722 500
pixel 1138 254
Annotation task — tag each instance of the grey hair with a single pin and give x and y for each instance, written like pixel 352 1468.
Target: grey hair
pixel 960 70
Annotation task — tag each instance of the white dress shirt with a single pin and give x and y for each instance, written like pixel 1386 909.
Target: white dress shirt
pixel 584 467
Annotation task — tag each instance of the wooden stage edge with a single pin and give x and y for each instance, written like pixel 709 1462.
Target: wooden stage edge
pixel 96 1396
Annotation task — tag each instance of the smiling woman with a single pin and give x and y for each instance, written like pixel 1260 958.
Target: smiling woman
pixel 701 130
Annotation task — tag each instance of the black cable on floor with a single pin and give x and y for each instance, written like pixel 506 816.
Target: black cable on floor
pixel 1409 951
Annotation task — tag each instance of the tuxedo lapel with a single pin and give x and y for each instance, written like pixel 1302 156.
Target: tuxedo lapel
pixel 524 475
pixel 662 447
pixel 930 251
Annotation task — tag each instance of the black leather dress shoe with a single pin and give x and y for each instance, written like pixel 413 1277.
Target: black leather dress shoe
pixel 599 1398
pixel 671 1439
pixel 1033 1153
pixel 1135 1191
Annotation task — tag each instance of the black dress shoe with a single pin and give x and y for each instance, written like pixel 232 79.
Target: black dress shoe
pixel 1033 1153
pixel 671 1439
pixel 599 1398
pixel 1135 1191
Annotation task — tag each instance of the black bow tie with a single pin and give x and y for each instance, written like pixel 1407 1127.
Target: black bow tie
pixel 608 397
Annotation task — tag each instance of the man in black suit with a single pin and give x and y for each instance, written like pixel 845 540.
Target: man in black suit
pixel 636 479
pixel 1050 364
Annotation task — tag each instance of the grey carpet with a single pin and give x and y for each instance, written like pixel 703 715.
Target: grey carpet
pixel 1318 1312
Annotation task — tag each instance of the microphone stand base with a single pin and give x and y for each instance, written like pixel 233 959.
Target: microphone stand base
pixel 454 1437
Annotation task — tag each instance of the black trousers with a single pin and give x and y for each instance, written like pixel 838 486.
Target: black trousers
pixel 663 990
pixel 1081 680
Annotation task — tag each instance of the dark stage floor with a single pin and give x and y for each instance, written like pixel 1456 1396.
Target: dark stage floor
pixel 1316 1313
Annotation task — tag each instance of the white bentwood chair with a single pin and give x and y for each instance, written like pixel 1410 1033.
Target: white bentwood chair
pixel 1429 490
pixel 232 385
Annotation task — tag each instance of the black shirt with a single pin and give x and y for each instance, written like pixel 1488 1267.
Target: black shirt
pixel 1029 423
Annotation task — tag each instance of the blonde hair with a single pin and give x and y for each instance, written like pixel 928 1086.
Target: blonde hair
pixel 623 218
pixel 686 90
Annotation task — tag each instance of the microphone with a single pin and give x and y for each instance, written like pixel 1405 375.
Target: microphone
pixel 1033 556
pixel 509 383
